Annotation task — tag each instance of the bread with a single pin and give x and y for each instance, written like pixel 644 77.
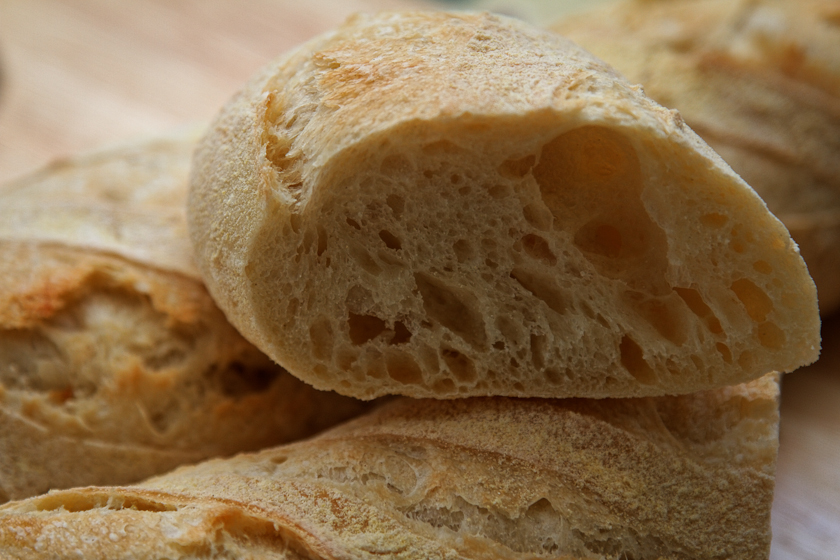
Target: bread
pixel 115 364
pixel 441 205
pixel 668 477
pixel 760 82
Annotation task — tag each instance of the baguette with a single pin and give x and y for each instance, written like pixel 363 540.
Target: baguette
pixel 115 364
pixel 688 477
pixel 760 82
pixel 449 205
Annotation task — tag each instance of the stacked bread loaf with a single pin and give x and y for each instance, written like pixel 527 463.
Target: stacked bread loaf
pixel 115 364
pixel 581 306
pixel 760 82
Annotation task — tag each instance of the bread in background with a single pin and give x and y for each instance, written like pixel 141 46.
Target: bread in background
pixel 668 477
pixel 115 364
pixel 760 82
pixel 441 205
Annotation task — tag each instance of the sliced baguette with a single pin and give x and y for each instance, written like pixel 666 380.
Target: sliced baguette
pixel 687 477
pixel 115 364
pixel 449 205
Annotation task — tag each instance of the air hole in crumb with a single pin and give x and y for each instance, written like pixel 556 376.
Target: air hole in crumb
pixel 401 333
pixel 292 307
pixel 537 216
pixel 541 288
pixel 321 337
pixel 364 328
pixel 499 345
pixel 762 267
pixel 633 360
pixel 517 168
pixel 511 329
pixel 539 345
pixel 455 179
pixel 396 203
pixel 402 368
pixel 500 191
pixel 519 387
pixel 771 336
pixel 461 366
pixel 757 303
pixel 713 220
pixel 698 363
pixel 346 357
pixel 444 387
pixel 662 315
pixel 322 240
pixel 554 377
pixel 591 180
pixel 391 241
pixel 724 352
pixel 698 306
pixel 463 250
pixel 353 223
pixel 279 459
pixel 358 299
pixel 364 260
pixel 599 238
pixel 537 247
pixel 454 308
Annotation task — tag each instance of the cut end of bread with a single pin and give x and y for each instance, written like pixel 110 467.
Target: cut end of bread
pixel 535 228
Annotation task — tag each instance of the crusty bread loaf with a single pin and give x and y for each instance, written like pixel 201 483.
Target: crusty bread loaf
pixel 688 477
pixel 760 82
pixel 115 364
pixel 443 205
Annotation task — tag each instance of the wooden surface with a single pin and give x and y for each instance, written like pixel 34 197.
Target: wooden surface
pixel 83 73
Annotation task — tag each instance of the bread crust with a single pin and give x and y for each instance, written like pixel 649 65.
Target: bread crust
pixel 115 364
pixel 447 205
pixel 667 477
pixel 760 82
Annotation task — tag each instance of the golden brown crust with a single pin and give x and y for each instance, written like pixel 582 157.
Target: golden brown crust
pixel 468 478
pixel 113 369
pixel 442 205
pixel 760 82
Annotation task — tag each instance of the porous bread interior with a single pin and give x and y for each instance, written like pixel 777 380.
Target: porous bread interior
pixel 474 478
pixel 526 258
pixel 115 357
pixel 760 82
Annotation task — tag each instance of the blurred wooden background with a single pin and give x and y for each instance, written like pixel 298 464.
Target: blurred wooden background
pixel 79 74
